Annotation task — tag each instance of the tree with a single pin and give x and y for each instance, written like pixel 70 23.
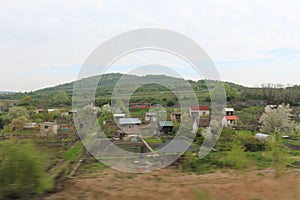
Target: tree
pixel 15 112
pixel 278 121
pixel 61 98
pixel 232 95
pixel 18 123
pixel 22 169
pixel 170 103
pixel 3 120
pixel 26 101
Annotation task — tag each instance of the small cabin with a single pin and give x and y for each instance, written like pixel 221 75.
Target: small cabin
pixel 175 116
pixel 199 111
pixel 49 128
pixel 229 119
pixel 130 125
pixel 150 117
pixel 165 126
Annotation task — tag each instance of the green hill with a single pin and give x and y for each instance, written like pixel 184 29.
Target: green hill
pixel 155 93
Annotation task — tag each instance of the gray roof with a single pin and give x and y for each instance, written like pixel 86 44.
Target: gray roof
pixel 124 121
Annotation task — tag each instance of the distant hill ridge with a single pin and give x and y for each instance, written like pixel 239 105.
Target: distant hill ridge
pixel 234 92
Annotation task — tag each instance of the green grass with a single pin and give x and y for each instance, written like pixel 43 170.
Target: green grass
pixel 94 166
pixel 154 140
pixel 73 153
pixel 290 142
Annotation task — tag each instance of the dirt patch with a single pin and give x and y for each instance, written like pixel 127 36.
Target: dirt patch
pixel 109 184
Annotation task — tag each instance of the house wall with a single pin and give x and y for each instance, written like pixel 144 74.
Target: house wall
pixel 150 118
pixel 199 113
pixel 130 129
pixel 49 128
pixel 175 117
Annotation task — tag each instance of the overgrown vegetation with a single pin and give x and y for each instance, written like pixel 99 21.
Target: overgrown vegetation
pixel 22 169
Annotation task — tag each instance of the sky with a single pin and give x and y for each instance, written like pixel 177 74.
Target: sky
pixel 45 43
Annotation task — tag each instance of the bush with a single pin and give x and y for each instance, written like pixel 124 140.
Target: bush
pixel 251 144
pixel 236 158
pixel 22 169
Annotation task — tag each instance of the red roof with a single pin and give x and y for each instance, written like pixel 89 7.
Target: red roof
pixel 231 117
pixel 199 108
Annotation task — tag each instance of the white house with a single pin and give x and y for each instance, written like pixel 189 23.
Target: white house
pixel 229 118
pixel 199 111
pixel 150 117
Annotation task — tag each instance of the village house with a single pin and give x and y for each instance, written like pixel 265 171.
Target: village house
pixel 150 117
pixel 165 126
pixel 49 128
pixel 68 112
pixel 175 116
pixel 229 119
pixel 199 112
pixel 30 125
pixel 130 125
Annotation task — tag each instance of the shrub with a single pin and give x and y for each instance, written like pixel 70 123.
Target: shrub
pixel 236 158
pixel 22 169
pixel 251 144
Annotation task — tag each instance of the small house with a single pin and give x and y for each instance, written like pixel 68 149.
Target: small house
pixel 30 125
pixel 150 117
pixel 199 112
pixel 49 128
pixel 165 126
pixel 229 119
pixel 229 111
pixel 130 125
pixel 175 116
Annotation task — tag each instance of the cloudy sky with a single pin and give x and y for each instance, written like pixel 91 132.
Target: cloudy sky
pixel 44 43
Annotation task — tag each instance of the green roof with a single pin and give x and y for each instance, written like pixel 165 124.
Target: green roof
pixel 165 123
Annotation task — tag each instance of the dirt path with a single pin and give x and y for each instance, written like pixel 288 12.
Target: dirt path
pixel 171 184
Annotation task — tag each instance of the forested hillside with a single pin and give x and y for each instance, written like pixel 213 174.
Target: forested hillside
pixel 154 93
